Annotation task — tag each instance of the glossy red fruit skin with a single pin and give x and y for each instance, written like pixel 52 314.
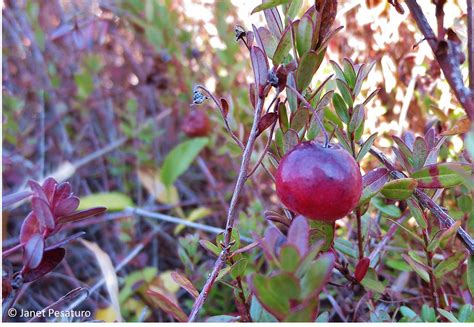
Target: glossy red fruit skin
pixel 319 183
pixel 196 124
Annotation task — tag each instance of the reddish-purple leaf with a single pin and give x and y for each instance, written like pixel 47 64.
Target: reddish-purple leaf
pixel 252 95
pixel 81 215
pixel 38 190
pixel 33 251
pixel 409 139
pixel 361 269
pixel 274 23
pixel 225 107
pixel 260 67
pixel 29 227
pixel 266 121
pixel 168 305
pixel 50 260
pixel 298 234
pixel 43 212
pixel 63 191
pixel 327 10
pixel 402 159
pixel 271 242
pixel 49 187
pixel 185 283
pixel 420 152
pixel 432 157
pixel 66 206
pixel 10 199
pixel 268 42
pixel 373 182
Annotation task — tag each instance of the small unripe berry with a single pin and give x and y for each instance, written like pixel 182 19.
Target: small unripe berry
pixel 320 183
pixel 196 124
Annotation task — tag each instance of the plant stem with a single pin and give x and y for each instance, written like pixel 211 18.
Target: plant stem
pixel 444 55
pixel 6 253
pixel 242 177
pixel 470 42
pixel 426 202
pixel 359 234
pixel 429 256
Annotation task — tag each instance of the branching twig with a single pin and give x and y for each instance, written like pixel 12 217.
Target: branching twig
pixel 242 177
pixel 426 202
pixel 443 51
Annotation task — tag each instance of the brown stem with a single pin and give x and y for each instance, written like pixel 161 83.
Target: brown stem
pixel 447 61
pixel 426 202
pixel 242 177
pixel 470 42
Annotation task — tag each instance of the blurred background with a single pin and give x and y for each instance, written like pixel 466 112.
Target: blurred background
pixel 96 93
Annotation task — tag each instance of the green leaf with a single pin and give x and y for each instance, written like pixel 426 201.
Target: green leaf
pixel 267 5
pixel 300 119
pixel 418 268
pixel 407 312
pixel 258 313
pixel 465 313
pixel 428 314
pixel 289 258
pixel 283 46
pixel 366 146
pixel 349 73
pixel 341 108
pixel 113 201
pixel 388 209
pixel 448 315
pixel 357 118
pixel 345 92
pixel 309 64
pixel 275 292
pixel 323 317
pixel 294 8
pixel 346 247
pixel 321 230
pixel 317 276
pixel 470 274
pixel 180 158
pixel 304 34
pixel 420 153
pixel 283 117
pixel 441 175
pixel 372 283
pixel 238 268
pixel 417 212
pixel 290 95
pixel 449 264
pixel 210 247
pixel 85 85
pixel 196 214
pixel 399 189
pixel 223 318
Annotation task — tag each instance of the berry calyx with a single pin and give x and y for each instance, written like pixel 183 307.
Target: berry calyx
pixel 320 183
pixel 196 124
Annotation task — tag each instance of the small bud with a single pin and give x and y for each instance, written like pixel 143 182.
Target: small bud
pixel 198 97
pixel 239 32
pixel 272 78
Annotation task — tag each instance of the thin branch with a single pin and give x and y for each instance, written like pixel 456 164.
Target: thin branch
pixel 179 221
pixel 426 202
pixel 443 51
pixel 242 177
pixel 308 105
pixel 470 42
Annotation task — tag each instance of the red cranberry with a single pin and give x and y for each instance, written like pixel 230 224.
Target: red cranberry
pixel 196 124
pixel 319 183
